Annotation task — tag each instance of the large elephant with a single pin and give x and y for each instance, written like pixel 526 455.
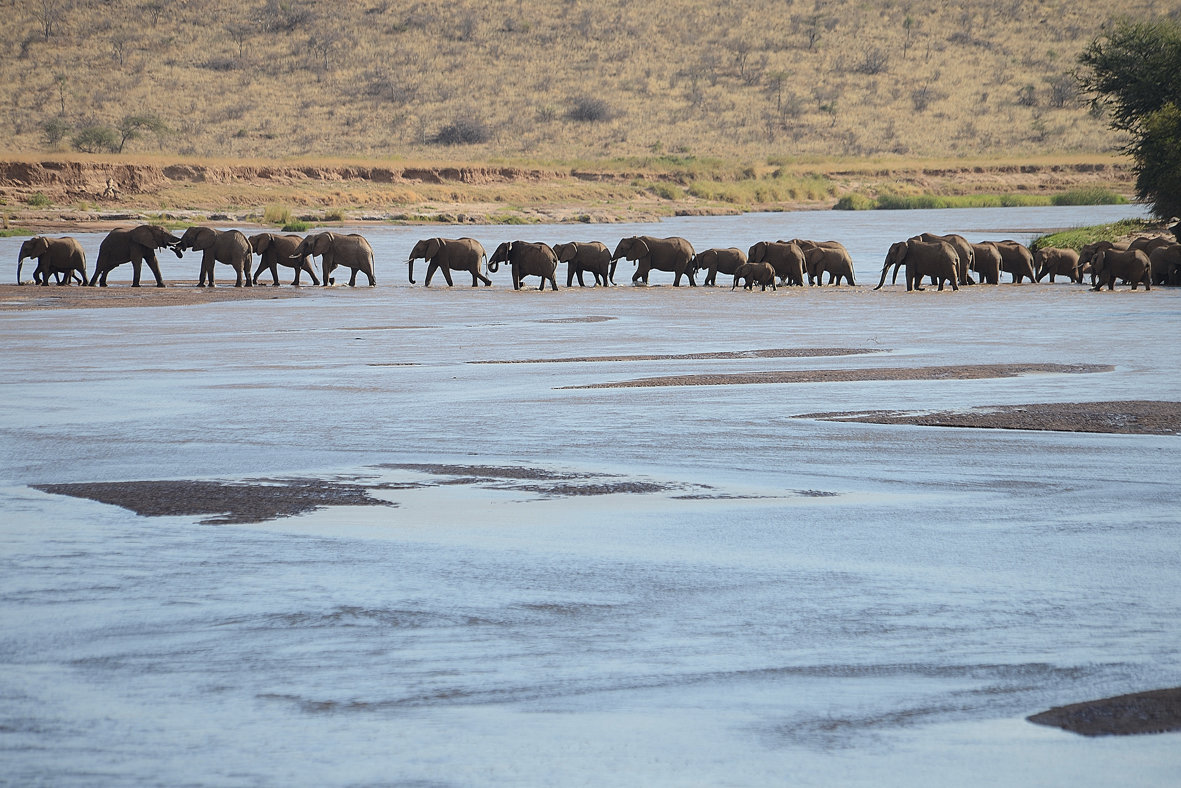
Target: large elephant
pixel 1056 261
pixel 1131 265
pixel 593 257
pixel 348 251
pixel 230 247
pixel 276 250
pixel 664 254
pixel 986 261
pixel 923 258
pixel 135 245
pixel 715 261
pixel 822 256
pixel 1086 255
pixel 754 273
pixel 451 254
pixel 785 257
pixel 1016 259
pixel 1166 265
pixel 56 256
pixel 965 251
pixel 527 259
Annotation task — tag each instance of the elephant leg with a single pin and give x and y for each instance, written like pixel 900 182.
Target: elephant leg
pixel 446 269
pixel 238 279
pixel 353 278
pixel 135 271
pixel 307 266
pixel 477 277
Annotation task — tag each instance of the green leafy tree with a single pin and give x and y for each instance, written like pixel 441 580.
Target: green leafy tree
pixel 96 139
pixel 133 126
pixel 1131 71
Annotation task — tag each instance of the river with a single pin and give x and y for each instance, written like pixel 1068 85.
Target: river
pixel 666 585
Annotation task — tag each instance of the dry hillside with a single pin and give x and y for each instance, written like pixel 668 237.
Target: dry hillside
pixel 754 80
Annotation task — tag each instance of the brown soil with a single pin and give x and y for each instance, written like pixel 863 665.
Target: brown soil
pixel 18 297
pixel 238 502
pixel 1123 417
pixel 1156 711
pixel 731 354
pixel 963 372
pixel 201 192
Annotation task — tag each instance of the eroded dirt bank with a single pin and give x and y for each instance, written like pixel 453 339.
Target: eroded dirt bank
pixel 56 194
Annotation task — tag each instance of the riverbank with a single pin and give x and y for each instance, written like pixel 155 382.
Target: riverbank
pixel 60 194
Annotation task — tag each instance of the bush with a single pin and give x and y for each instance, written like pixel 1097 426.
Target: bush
pixel 585 109
pixel 96 139
pixel 277 214
pixel 53 131
pixel 463 131
pixel 855 202
pixel 38 200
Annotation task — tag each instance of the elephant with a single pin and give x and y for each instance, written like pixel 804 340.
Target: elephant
pixel 451 254
pixel 786 258
pixel 1016 259
pixel 135 245
pixel 1086 255
pixel 715 261
pixel 54 256
pixel 350 251
pixel 965 250
pixel 593 257
pixel 830 256
pixel 1055 261
pixel 230 247
pixel 986 261
pixel 923 258
pixel 1131 265
pixel 755 273
pixel 527 259
pixel 279 250
pixel 1166 265
pixel 1146 243
pixel 664 254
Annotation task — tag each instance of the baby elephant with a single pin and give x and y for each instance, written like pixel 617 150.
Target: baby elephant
pixel 760 273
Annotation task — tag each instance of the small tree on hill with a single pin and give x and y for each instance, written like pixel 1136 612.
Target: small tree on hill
pixel 1131 72
pixel 133 126
pixel 96 139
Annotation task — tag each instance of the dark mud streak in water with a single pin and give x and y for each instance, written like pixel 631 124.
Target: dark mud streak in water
pixel 232 502
pixel 961 372
pixel 1156 711
pixel 481 472
pixel 1125 417
pixel 563 485
pixel 714 356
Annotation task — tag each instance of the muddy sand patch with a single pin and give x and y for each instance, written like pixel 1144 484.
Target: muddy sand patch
pixel 231 502
pixel 717 355
pixel 1125 417
pixel 1156 711
pixel 22 297
pixel 960 372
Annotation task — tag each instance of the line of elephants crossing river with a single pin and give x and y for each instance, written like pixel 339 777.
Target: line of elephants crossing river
pixel 946 259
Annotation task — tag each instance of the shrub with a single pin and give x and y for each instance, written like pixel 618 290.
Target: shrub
pixel 295 226
pixel 38 200
pixel 586 109
pixel 53 131
pixel 1092 195
pixel 855 202
pixel 277 214
pixel 463 131
pixel 96 139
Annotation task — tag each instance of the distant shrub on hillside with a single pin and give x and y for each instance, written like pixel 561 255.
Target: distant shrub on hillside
pixel 463 131
pixel 96 139
pixel 586 109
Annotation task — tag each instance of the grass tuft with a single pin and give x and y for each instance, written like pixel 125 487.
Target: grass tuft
pixel 1079 237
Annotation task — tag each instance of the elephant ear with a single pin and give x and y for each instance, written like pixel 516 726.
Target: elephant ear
pixel 144 235
pixel 641 247
pixel 432 247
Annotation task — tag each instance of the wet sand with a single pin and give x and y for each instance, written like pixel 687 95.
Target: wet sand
pixel 1125 417
pixel 174 293
pixel 1156 711
pixel 956 372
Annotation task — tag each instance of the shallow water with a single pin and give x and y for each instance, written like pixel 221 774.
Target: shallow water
pixel 767 600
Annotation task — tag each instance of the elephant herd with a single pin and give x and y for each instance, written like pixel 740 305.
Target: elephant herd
pixel 943 259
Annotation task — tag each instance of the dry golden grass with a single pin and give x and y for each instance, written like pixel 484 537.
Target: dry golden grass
pixel 378 80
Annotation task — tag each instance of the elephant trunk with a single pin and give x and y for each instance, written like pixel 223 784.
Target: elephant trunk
pixel 493 266
pixel 20 262
pixel 411 263
pixel 886 268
